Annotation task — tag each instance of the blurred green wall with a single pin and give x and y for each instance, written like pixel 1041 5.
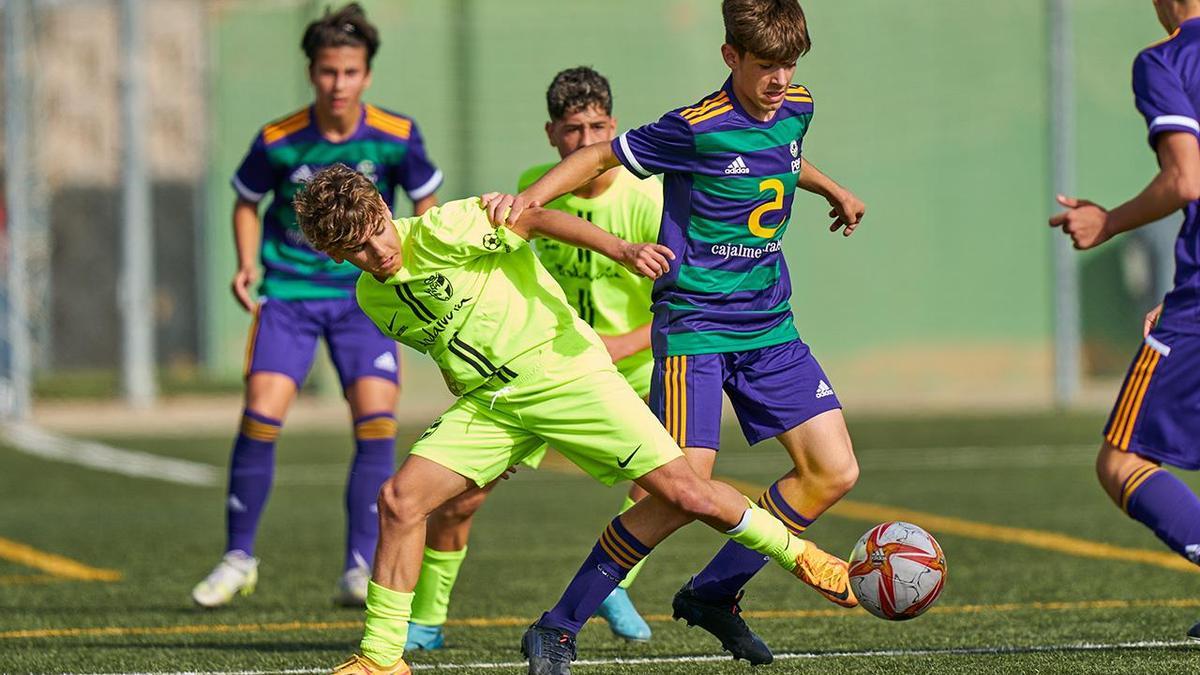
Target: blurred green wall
pixel 935 113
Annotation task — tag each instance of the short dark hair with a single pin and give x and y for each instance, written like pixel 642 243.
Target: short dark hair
pixel 347 27
pixel 771 29
pixel 578 89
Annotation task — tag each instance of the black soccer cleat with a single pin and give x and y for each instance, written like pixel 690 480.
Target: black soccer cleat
pixel 724 621
pixel 1194 633
pixel 550 650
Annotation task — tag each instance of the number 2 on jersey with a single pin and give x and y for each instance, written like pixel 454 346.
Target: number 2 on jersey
pixel 755 223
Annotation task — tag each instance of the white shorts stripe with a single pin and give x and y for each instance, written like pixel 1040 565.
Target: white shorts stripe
pixel 1175 121
pixel 428 187
pixel 637 167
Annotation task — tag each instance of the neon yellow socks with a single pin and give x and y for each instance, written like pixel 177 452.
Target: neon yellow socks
pixel 439 571
pixel 762 532
pixel 386 630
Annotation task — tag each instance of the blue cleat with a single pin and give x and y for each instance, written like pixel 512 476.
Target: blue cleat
pixel 623 618
pixel 427 638
pixel 1194 633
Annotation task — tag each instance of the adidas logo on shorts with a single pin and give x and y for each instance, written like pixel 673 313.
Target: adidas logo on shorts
pixel 738 165
pixel 386 362
pixel 824 390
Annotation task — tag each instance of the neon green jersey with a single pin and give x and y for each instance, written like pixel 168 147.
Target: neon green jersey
pixel 471 296
pixel 607 296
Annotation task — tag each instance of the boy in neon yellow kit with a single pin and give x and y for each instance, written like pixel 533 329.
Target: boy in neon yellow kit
pixel 528 372
pixel 609 298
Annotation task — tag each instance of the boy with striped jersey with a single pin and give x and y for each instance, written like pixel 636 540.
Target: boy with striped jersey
pixel 722 318
pixel 528 372
pixel 1156 418
pixel 306 296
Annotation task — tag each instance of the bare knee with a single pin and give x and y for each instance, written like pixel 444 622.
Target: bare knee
pixel 844 479
pixel 399 505
pixel 695 500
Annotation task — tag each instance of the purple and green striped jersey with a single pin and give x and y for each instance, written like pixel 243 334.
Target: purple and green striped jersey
pixel 728 182
pixel 1166 89
pixel 386 147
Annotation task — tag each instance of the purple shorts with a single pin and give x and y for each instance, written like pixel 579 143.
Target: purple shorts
pixel 772 389
pixel 1157 414
pixel 283 339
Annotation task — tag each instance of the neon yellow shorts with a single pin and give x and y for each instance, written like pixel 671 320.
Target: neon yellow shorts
pixel 566 394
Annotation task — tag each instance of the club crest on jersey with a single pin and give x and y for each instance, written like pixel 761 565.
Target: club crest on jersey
pixel 438 287
pixel 302 174
pixel 367 168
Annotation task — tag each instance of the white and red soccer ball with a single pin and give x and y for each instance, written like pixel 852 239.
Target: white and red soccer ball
pixel 897 571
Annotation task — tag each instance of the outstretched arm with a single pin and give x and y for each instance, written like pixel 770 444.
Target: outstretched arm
pixel 579 168
pixel 650 260
pixel 1175 186
pixel 847 210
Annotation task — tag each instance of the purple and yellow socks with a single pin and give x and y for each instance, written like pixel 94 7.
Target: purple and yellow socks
pixel 1163 503
pixel 613 556
pixel 374 462
pixel 251 470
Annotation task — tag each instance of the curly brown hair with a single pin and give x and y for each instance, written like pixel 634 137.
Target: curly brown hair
pixel 771 29
pixel 578 89
pixel 339 209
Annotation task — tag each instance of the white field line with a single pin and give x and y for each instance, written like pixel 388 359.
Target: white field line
pixel 793 656
pixel 45 445
pixel 39 443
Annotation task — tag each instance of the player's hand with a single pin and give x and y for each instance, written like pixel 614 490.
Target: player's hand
pixel 505 209
pixel 508 473
pixel 847 212
pixel 1151 320
pixel 649 260
pixel 242 281
pixel 1085 222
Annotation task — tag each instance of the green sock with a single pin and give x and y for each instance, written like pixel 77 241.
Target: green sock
pixel 631 574
pixel 762 532
pixel 387 624
pixel 439 571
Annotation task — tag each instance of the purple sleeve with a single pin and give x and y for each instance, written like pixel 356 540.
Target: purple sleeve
pixel 255 177
pixel 665 146
pixel 417 175
pixel 1161 98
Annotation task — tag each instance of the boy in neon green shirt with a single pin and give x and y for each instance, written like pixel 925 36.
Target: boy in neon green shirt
pixel 527 372
pixel 611 299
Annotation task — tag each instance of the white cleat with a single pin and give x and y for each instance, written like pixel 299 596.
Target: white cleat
pixel 352 587
pixel 236 574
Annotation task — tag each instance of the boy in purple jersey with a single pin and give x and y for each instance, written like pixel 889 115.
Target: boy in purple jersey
pixel 722 319
pixel 1156 419
pixel 306 296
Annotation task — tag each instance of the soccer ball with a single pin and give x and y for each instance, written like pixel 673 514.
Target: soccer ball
pixel 897 571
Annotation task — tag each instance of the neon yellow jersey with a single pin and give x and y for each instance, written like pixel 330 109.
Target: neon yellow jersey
pixel 607 296
pixel 471 296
